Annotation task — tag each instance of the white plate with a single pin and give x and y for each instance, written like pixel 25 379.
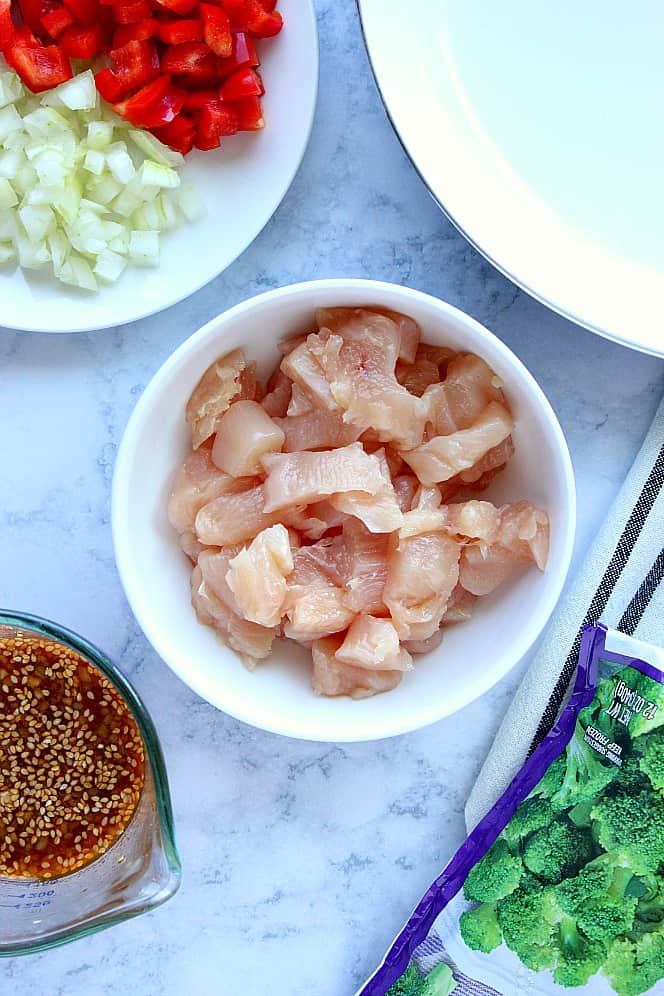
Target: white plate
pixel 277 696
pixel 242 184
pixel 537 127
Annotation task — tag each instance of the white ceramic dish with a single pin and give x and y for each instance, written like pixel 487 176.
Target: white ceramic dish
pixel 277 696
pixel 547 158
pixel 242 185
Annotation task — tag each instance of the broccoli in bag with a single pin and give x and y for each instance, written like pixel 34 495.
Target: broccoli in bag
pixel 561 885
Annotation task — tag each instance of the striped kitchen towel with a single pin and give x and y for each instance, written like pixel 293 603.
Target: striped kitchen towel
pixel 619 584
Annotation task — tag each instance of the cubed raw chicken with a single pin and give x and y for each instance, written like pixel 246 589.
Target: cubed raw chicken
pixel 315 430
pixel 253 643
pixel 422 573
pixel 198 481
pixel 405 487
pixel 278 396
pixel 469 386
pixel 364 568
pixel 245 434
pixel 234 518
pixel 227 379
pixel 470 520
pixel 330 676
pixel 373 643
pixel 523 538
pixel 351 322
pixel 314 601
pixel 302 478
pixel 257 576
pixel 379 512
pixel 445 456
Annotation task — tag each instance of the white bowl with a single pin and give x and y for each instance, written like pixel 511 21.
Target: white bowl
pixel 276 696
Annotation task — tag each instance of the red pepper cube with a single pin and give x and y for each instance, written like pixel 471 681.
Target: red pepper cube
pixel 242 83
pixel 237 13
pixel 41 67
pixel 156 104
pixel 83 11
pixel 217 30
pixel 54 21
pixel 185 58
pixel 178 134
pixel 261 22
pixel 181 30
pixel 243 54
pixel 135 32
pixel 83 42
pixel 250 114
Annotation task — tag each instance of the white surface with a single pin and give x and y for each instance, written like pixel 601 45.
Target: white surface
pixel 277 695
pixel 241 183
pixel 535 127
pixel 301 860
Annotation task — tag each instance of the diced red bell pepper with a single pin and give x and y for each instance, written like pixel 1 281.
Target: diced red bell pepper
pixel 197 99
pixel 83 43
pixel 40 67
pixel 6 25
pixel 261 22
pixel 55 21
pixel 242 83
pixel 135 32
pixel 186 57
pixel 237 13
pixel 179 134
pixel 181 7
pixel 131 13
pixel 244 54
pixel 179 31
pixel 130 67
pixel 217 30
pixel 156 104
pixel 32 11
pixel 83 11
pixel 214 121
pixel 250 114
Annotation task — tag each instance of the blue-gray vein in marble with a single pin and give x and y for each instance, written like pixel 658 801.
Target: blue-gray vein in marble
pixel 301 861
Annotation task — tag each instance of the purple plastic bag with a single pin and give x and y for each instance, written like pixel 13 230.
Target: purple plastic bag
pixel 431 934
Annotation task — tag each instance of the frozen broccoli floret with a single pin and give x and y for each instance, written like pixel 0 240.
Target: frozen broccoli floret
pixel 527 918
pixel 634 966
pixel 557 851
pixel 480 929
pixel 439 982
pixel 577 957
pixel 652 762
pixel 586 774
pixel 495 875
pixel 551 781
pixel 531 815
pixel 632 826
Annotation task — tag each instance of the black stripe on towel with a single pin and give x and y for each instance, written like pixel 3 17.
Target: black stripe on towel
pixel 621 555
pixel 633 613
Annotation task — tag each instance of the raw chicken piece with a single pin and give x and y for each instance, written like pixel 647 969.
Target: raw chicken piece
pixel 245 433
pixel 416 377
pixel 257 576
pixel 350 322
pixel 445 456
pixel 253 643
pixel 364 569
pixel 421 575
pixel 314 601
pixel 278 396
pixel 380 512
pixel 405 487
pixel 234 518
pixel 483 472
pixel 358 365
pixel 315 430
pixel 470 520
pixel 460 606
pixel 300 402
pixel 227 379
pixel 373 643
pixel 302 366
pixel 302 478
pixel 424 646
pixel 198 481
pixel 190 545
pixel 523 538
pixel 331 676
pixel 470 385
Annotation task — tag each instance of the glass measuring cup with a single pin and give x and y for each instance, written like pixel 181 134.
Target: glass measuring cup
pixel 138 872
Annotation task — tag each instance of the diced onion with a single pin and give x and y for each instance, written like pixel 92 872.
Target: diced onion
pixel 80 189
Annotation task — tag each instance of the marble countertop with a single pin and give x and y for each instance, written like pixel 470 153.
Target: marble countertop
pixel 301 861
